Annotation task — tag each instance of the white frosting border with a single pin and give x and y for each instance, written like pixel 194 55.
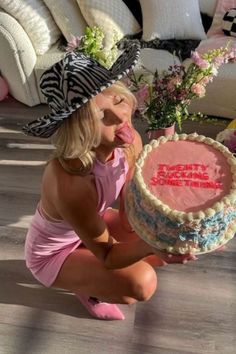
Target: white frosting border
pixel 147 236
pixel 182 216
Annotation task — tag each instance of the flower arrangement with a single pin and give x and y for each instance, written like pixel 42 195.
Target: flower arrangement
pixel 163 99
pixel 92 44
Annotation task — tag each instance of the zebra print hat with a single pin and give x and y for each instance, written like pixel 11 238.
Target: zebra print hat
pixel 71 82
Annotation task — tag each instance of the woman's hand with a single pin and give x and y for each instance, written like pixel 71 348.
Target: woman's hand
pixel 169 258
pixel 221 249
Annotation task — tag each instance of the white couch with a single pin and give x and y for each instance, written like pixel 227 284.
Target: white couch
pixel 23 60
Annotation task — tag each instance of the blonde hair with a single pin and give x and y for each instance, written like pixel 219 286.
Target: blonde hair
pixel 80 133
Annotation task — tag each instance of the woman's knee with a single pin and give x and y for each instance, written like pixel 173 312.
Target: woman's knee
pixel 143 284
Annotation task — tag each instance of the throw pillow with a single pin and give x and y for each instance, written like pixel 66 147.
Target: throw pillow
pixel 135 8
pixel 229 23
pixel 110 16
pixel 35 18
pixel 68 17
pixel 168 19
pixel 208 7
pixel 222 7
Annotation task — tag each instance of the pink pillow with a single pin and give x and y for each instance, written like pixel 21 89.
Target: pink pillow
pixel 221 8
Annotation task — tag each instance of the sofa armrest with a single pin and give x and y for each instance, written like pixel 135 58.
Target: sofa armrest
pixel 17 60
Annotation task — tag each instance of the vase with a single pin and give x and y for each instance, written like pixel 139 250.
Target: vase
pixel 156 133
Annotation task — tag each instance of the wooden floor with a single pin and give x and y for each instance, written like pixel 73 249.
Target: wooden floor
pixel 193 310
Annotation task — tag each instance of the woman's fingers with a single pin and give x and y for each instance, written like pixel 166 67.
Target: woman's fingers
pixel 221 248
pixel 176 258
pixel 183 258
pixel 190 257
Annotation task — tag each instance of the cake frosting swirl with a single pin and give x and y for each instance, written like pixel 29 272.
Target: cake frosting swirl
pixel 182 197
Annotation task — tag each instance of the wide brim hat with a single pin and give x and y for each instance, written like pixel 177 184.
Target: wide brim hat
pixel 72 82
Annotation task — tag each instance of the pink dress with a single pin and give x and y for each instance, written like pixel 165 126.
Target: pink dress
pixel 48 243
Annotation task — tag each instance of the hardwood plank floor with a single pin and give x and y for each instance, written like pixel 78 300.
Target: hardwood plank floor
pixel 193 310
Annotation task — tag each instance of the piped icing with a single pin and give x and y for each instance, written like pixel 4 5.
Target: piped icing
pixel 182 196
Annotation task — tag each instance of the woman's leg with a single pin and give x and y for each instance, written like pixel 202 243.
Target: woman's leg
pixel 88 278
pixel 83 273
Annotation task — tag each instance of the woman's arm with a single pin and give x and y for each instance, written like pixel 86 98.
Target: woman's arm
pixel 132 155
pixel 76 204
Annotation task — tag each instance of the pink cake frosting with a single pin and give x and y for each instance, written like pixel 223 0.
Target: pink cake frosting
pixel 187 175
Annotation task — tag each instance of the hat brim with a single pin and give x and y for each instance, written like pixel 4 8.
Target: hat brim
pixel 46 125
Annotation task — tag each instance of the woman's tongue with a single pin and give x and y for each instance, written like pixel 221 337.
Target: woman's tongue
pixel 125 133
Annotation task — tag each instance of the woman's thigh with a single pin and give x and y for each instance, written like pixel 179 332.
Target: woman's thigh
pixel 83 272
pixel 116 229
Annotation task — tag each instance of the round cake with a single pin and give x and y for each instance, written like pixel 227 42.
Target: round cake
pixel 182 197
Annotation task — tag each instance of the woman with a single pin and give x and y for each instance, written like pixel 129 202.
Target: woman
pixel 76 241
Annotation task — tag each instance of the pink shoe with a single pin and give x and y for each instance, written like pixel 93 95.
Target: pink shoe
pixel 101 310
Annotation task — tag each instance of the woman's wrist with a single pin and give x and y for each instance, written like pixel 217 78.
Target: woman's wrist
pixel 146 248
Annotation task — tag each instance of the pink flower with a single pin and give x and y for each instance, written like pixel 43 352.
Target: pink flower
pixel 198 89
pixel 218 61
pixel 205 80
pixel 181 95
pixel 143 91
pixel 73 44
pixel 197 59
pixel 142 95
pixel 214 70
pixel 232 54
pixel 173 83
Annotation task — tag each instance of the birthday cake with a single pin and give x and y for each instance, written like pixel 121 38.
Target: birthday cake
pixel 182 197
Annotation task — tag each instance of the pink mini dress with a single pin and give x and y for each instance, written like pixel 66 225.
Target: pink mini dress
pixel 48 243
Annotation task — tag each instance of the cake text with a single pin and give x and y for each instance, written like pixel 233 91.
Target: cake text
pixel 181 175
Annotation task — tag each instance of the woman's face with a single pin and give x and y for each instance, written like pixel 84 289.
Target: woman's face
pixel 114 112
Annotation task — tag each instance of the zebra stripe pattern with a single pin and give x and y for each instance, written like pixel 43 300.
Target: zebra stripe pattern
pixel 71 82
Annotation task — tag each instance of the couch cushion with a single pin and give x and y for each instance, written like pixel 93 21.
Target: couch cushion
pixel 165 19
pixel 35 18
pixel 153 59
pixel 68 17
pixel 17 60
pixel 111 16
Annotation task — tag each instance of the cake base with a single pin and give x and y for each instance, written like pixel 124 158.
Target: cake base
pixel 187 246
